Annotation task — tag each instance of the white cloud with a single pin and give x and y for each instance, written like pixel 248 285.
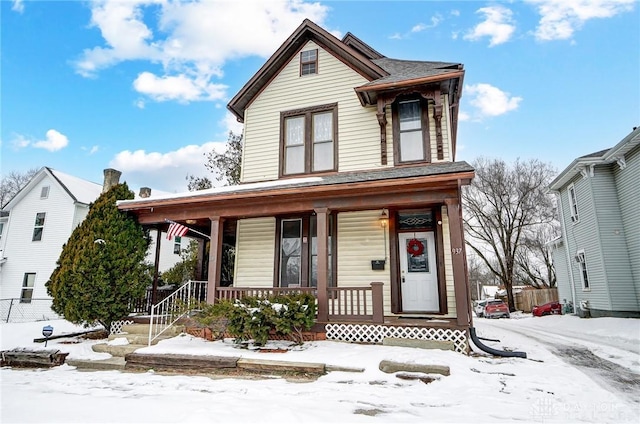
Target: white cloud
pixel 498 26
pixel 191 40
pixel 91 150
pixel 165 171
pixel 560 19
pixel 454 12
pixel 180 88
pixel 489 101
pixel 463 116
pixel 230 123
pixel 435 20
pixel 18 6
pixel 54 141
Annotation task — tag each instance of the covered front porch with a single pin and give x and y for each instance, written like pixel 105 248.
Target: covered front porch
pixel 345 238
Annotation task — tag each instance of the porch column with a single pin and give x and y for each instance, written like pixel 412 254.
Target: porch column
pixel 322 220
pixel 200 265
pixel 215 257
pixel 460 282
pixel 156 266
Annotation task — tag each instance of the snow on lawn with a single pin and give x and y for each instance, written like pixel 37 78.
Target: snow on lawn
pixel 480 389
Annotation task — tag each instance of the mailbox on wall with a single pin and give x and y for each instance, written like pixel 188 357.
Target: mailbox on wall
pixel 378 264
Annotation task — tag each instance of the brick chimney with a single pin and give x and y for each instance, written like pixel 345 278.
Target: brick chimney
pixel 145 192
pixel 111 178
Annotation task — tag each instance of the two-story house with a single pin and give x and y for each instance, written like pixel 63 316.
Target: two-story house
pixel 597 258
pixel 34 226
pixel 349 190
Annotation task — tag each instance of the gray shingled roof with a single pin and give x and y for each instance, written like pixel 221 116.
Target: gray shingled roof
pixel 595 154
pixel 401 70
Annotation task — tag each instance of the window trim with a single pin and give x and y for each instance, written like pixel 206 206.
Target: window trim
pixel 40 227
pixel 177 243
pixel 573 204
pixel 24 287
pixel 584 271
pixel 395 124
pixel 305 255
pixel 308 62
pixel 308 141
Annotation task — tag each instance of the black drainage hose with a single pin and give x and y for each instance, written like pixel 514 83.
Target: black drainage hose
pixel 482 346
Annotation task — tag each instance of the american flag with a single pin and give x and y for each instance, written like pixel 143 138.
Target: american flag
pixel 176 229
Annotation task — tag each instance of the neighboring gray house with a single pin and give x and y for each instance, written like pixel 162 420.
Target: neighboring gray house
pixel 597 258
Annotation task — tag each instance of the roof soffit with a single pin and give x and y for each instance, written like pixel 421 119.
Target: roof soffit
pixel 307 31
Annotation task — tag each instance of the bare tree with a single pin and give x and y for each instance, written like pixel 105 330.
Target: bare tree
pixel 226 166
pixel 503 205
pixel 535 266
pixel 12 183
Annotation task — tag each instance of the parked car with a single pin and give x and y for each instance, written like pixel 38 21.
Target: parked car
pixel 550 308
pixel 496 308
pixel 478 307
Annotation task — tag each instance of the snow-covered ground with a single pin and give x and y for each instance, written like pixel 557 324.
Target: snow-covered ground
pixel 481 389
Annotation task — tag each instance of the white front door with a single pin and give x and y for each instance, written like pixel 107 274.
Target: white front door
pixel 418 272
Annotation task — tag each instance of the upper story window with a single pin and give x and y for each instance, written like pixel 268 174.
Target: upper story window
pixel 28 282
pixel 309 140
pixel 38 228
pixel 1 229
pixel 44 192
pixel 573 203
pixel 410 130
pixel 582 263
pixel 309 62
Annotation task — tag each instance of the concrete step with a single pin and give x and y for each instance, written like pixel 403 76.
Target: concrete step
pixel 144 329
pixel 116 363
pixel 116 350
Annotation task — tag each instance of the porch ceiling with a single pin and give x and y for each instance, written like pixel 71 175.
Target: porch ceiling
pixel 395 187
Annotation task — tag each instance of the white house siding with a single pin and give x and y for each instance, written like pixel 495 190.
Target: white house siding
pixel 361 239
pixel 255 247
pixel 627 181
pixel 559 258
pixel 167 256
pixel 39 257
pixel 613 248
pixel 359 132
pixel 448 264
pixel 584 235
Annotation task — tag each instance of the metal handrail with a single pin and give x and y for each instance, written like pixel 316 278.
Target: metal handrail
pixel 175 306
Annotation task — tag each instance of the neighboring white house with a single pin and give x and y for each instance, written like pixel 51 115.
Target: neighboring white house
pixel 34 226
pixel 597 259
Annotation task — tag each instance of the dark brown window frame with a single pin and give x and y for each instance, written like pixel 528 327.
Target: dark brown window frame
pixel 305 254
pixel 304 62
pixel 308 142
pixel 395 119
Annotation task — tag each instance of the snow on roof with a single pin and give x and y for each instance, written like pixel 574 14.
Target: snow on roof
pixel 82 190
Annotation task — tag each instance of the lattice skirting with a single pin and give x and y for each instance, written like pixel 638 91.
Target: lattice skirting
pixel 116 326
pixel 368 333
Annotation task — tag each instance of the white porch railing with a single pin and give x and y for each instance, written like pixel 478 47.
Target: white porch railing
pixel 175 306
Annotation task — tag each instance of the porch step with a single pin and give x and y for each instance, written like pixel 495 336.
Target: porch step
pixel 116 363
pixel 144 329
pixel 117 350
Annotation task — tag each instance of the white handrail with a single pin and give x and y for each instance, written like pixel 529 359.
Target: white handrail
pixel 175 306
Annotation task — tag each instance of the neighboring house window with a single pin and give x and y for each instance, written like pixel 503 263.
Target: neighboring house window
pixel 309 140
pixel 44 192
pixel 309 62
pixel 573 203
pixel 298 252
pixel 177 245
pixel 1 229
pixel 582 263
pixel 410 130
pixel 27 287
pixel 38 227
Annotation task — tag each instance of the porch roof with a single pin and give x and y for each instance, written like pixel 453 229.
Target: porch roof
pixel 396 173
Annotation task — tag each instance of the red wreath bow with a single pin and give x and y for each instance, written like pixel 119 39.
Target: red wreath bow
pixel 415 247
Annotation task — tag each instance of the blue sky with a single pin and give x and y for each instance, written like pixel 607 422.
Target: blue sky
pixel 142 85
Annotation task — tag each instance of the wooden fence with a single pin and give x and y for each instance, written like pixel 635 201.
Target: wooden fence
pixel 526 299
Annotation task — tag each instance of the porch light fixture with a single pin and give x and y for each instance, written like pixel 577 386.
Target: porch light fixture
pixel 384 218
pixel 190 221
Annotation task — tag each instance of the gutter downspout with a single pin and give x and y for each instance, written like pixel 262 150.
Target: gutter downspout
pixel 566 249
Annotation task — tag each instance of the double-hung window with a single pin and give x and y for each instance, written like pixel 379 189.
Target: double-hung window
pixel 410 121
pixel 298 252
pixel 38 228
pixel 27 287
pixel 177 245
pixel 573 203
pixel 582 263
pixel 309 62
pixel 309 140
